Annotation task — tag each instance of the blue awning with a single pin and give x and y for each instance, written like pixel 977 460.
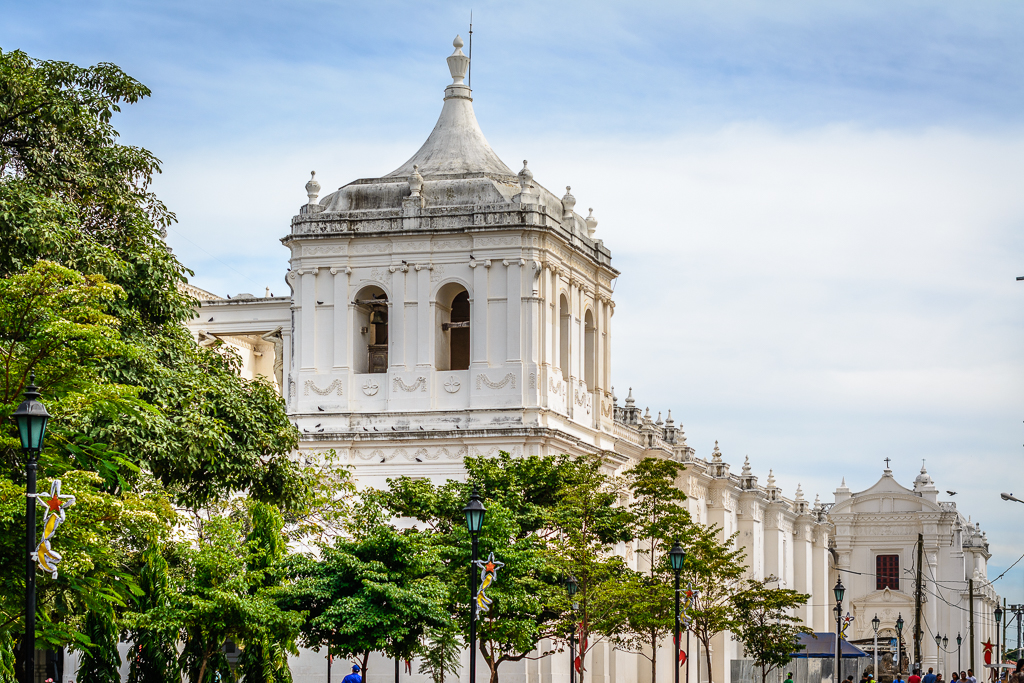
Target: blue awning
pixel 824 645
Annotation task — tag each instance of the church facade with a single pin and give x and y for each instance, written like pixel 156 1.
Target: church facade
pixel 903 553
pixel 455 307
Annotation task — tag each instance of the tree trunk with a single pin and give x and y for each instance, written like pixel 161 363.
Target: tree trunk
pixel 654 656
pixel 707 656
pixel 492 666
pixel 202 667
pixel 365 658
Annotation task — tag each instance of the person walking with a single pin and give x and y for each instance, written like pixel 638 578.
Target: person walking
pixel 789 677
pixel 930 676
pixel 353 677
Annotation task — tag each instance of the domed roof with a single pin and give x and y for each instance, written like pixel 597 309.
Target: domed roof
pixel 456 146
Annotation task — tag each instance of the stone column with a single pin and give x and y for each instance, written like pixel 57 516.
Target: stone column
pixel 479 322
pixel 556 326
pixel 803 567
pixel 308 324
pixel 396 319
pixel 341 318
pixel 424 324
pixel 609 311
pixel 513 308
pixel 599 380
pixel 822 610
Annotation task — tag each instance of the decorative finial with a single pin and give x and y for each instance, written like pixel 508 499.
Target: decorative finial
pixel 568 202
pixel 525 178
pixel 771 479
pixel 716 454
pixel 415 181
pixel 843 485
pixel 746 465
pixel 591 223
pixel 458 63
pixel 629 399
pixel 658 421
pixel 799 492
pixel 668 420
pixel 312 188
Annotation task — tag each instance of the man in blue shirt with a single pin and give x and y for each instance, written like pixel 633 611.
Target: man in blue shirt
pixel 353 677
pixel 930 676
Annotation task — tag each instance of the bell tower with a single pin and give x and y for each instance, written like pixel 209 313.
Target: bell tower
pixel 451 307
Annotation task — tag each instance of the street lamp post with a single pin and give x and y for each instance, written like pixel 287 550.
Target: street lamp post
pixel 959 642
pixel 676 556
pixel 875 623
pixel 474 512
pixel 899 643
pixel 31 417
pixel 839 592
pixel 571 587
pixel 999 618
pixel 945 651
pixel 938 651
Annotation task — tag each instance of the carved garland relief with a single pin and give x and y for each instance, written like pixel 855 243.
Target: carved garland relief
pixel 420 383
pixel 335 385
pixel 483 379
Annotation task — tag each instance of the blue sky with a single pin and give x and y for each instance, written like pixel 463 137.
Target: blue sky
pixel 825 198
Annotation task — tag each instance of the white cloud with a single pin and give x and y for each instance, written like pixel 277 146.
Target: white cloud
pixel 818 299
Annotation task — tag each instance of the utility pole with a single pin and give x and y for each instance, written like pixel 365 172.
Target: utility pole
pixel 917 600
pixel 970 636
pixel 1018 609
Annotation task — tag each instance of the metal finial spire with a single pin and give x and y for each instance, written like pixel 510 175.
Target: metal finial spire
pixel 470 84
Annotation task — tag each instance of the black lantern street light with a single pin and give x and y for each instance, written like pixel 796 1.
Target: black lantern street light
pixel 938 653
pixel 999 618
pixel 571 586
pixel 875 623
pixel 31 417
pixel 899 643
pixel 474 512
pixel 839 592
pixel 677 556
pixel 945 650
pixel 959 642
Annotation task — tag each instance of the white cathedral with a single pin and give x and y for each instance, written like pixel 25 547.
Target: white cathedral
pixel 454 307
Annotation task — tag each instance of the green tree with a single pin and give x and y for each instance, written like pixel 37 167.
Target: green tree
pixel 588 522
pixel 220 596
pixel 660 519
pixel 440 653
pixel 715 570
pixel 91 301
pixel 528 596
pixel 154 655
pixel 265 659
pixel 766 626
pixel 375 590
pixel 100 661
